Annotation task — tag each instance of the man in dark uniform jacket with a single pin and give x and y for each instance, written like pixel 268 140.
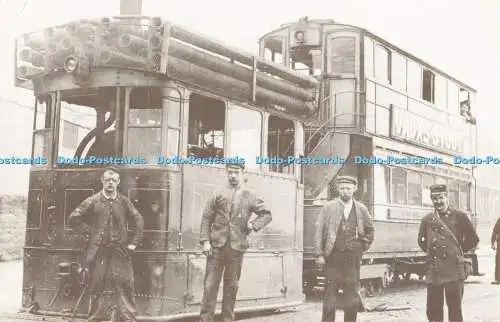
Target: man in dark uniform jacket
pixel 344 230
pixel 225 225
pixel 104 217
pixel 445 272
pixel 495 238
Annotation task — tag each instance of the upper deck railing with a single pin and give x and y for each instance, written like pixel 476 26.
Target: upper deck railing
pixel 154 45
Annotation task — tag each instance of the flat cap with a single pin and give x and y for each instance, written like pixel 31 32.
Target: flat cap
pixel 438 188
pixel 346 179
pixel 240 164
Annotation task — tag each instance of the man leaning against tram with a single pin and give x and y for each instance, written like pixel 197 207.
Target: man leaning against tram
pixel 225 225
pixel 445 235
pixel 104 216
pixel 344 230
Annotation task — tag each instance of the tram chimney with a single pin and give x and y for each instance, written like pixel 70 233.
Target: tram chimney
pixel 131 7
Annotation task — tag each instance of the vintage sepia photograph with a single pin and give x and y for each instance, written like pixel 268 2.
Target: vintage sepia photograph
pixel 256 161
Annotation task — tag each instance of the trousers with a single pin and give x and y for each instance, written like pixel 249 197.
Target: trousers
pixel 453 292
pixel 342 270
pixel 227 262
pixel 112 265
pixel 497 265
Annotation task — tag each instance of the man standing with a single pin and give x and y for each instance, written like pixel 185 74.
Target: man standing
pixel 495 238
pixel 104 217
pixel 445 235
pixel 225 225
pixel 344 230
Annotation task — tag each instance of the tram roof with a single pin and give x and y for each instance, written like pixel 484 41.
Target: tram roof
pixel 377 38
pixel 155 45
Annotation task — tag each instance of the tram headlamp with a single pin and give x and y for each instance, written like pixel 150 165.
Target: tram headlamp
pixel 299 36
pixel 70 64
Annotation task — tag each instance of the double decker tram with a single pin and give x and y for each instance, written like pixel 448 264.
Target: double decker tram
pixel 134 89
pixel 379 106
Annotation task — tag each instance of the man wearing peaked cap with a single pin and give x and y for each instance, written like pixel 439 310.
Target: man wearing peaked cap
pixel 445 235
pixel 344 230
pixel 225 225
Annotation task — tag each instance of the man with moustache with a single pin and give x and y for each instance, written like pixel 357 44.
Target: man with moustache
pixel 104 216
pixel 344 230
pixel 225 225
pixel 445 234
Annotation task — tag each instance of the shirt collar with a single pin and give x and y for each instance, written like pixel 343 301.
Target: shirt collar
pixel 346 204
pixel 112 197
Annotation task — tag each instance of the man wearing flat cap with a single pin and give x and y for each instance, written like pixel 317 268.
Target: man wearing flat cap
pixel 225 225
pixel 344 230
pixel 445 235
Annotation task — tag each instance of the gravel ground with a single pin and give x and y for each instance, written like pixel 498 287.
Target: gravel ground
pixel 481 300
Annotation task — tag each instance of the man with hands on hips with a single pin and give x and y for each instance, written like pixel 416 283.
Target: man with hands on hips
pixel 225 226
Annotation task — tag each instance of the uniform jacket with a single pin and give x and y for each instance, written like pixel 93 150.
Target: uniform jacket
pixel 93 215
pixel 443 255
pixel 226 219
pixel 328 223
pixel 495 235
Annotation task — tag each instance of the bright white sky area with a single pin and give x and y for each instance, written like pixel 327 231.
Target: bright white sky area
pixel 459 37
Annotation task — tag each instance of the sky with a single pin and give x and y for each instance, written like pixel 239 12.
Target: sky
pixel 459 37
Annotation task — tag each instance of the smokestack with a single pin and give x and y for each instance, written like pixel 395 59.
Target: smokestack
pixel 131 7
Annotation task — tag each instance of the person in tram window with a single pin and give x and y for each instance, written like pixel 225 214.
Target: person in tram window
pixel 104 218
pixel 225 224
pixel 445 234
pixel 344 230
pixel 495 238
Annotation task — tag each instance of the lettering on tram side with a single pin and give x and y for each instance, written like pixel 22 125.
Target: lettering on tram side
pixel 410 127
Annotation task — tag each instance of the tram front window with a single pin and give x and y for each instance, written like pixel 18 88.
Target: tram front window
pixel 86 127
pixel 42 127
pixel 145 117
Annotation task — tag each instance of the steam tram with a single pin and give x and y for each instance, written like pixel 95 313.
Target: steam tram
pixel 135 88
pixel 398 121
pixel 140 90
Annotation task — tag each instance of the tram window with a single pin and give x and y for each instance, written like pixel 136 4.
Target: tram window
pixel 463 196
pixel 414 188
pixel 280 142
pixel 245 128
pixel 428 85
pixel 383 64
pixel 78 117
pixel 145 123
pixel 453 98
pixel 427 181
pixel 453 193
pixel 398 69
pixel 153 206
pixel 174 122
pixel 399 186
pixel 382 179
pixel 42 129
pixel 207 118
pixel 342 55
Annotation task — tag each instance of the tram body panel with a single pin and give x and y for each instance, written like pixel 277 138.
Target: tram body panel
pixel 272 262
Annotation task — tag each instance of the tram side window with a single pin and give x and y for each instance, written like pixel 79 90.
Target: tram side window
pixel 41 134
pixel 382 179
pixel 245 128
pixel 207 118
pixel 428 85
pixel 383 64
pixel 453 193
pixel 463 197
pixel 427 182
pixel 280 143
pixel 145 124
pixel 77 119
pixel 414 188
pixel 399 186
